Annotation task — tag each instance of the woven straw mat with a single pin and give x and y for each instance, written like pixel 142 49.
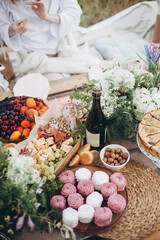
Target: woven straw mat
pixel 142 215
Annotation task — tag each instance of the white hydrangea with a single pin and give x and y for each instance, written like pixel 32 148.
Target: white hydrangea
pixel 108 103
pixel 155 95
pixel 145 101
pixel 21 170
pixel 117 79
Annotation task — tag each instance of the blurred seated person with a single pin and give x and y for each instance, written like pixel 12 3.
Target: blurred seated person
pixel 4 86
pixel 37 25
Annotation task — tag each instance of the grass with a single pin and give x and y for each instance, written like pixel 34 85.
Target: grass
pixel 97 10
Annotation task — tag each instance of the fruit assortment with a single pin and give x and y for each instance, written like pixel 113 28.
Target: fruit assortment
pixel 17 116
pixel 115 157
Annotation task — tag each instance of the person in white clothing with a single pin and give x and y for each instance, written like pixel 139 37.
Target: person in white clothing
pixel 4 86
pixel 37 25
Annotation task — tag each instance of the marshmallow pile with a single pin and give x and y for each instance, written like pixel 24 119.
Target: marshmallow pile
pixel 85 197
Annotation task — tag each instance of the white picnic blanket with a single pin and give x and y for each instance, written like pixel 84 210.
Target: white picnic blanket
pixel 76 51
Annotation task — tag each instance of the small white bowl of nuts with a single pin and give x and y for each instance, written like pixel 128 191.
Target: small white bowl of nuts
pixel 114 156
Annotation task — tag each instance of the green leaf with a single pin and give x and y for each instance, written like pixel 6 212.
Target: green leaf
pixel 76 87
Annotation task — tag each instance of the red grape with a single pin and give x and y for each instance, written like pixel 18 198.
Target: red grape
pixel 12 122
pixel 4 117
pixel 5 128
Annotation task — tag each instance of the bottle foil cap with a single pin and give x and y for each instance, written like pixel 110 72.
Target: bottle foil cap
pixel 96 92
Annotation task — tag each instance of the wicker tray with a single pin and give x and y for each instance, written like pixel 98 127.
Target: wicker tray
pixel 142 215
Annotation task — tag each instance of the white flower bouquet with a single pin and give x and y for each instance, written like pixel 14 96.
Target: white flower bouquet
pixel 126 97
pixel 24 193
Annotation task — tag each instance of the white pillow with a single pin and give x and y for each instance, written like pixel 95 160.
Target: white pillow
pixel 122 48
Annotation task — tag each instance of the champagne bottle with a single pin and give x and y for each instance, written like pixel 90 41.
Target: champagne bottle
pixel 96 122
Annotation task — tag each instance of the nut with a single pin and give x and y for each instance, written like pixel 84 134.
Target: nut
pixel 113 156
pixel 118 150
pixel 105 159
pixel 125 155
pixel 122 161
pixel 117 156
pixel 115 161
pixel 107 153
pixel 108 150
pixel 113 150
pixel 111 160
pixel 120 158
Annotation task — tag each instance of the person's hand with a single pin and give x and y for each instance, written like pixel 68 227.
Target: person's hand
pixel 39 9
pixel 19 26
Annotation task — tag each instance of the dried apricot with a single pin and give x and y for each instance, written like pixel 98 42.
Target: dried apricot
pixel 24 109
pixel 41 105
pixel 15 135
pixel 45 108
pixel 33 125
pixel 20 129
pixel 25 124
pixel 37 109
pixel 30 102
pixel 41 112
pixel 26 132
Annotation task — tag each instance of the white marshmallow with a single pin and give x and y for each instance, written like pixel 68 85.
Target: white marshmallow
pixel 86 213
pixel 95 200
pixel 99 178
pixel 70 217
pixel 83 174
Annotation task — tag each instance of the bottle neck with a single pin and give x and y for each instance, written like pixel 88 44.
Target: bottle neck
pixel 96 103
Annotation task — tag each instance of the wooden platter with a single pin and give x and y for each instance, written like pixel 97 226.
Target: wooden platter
pixel 68 157
pixel 91 228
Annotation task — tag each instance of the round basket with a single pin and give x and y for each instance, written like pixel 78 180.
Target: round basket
pixel 142 213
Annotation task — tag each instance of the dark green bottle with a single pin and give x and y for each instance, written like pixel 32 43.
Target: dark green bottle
pixel 96 122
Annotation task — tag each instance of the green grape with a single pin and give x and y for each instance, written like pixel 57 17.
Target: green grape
pixel 53 158
pixel 53 176
pixel 38 166
pixel 60 159
pixel 46 173
pixel 49 177
pixel 44 178
pixel 51 169
pixel 62 152
pixel 58 150
pixel 57 155
pixel 55 165
pixel 51 163
pixel 46 162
